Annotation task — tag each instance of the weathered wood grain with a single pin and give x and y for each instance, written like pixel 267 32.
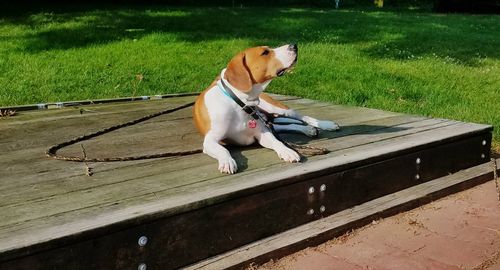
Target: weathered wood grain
pixel 31 152
pixel 43 200
pixel 176 199
pixel 395 128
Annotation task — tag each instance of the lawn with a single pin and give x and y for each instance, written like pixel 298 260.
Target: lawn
pixel 399 60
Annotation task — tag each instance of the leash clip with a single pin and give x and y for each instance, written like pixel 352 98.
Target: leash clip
pixel 250 110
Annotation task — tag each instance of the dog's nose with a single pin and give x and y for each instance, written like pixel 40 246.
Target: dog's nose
pixel 293 47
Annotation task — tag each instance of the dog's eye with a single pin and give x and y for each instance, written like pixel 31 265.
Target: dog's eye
pixel 265 52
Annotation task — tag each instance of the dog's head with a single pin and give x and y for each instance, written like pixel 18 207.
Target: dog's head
pixel 260 64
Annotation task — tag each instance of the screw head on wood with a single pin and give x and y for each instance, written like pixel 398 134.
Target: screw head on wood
pixel 310 211
pixel 143 240
pixel 322 208
pixel 322 187
pixel 311 190
pixel 142 266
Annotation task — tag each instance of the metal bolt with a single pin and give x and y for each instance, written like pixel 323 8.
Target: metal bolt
pixel 418 161
pixel 322 208
pixel 310 211
pixel 417 176
pixel 142 266
pixel 484 142
pixel 311 190
pixel 483 155
pixel 322 187
pixel 143 240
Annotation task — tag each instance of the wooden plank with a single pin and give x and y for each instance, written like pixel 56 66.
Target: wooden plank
pixel 194 235
pixel 14 140
pixel 12 194
pixel 44 132
pixel 322 230
pixel 34 198
pixel 134 100
pixel 207 193
pixel 119 109
pixel 153 181
pixel 17 169
pixel 98 110
pixel 44 106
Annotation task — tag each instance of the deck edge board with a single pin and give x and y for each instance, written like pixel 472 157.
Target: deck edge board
pixel 317 232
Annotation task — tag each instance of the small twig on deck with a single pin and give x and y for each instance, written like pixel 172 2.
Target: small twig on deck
pixel 6 113
pixel 495 176
pixel 88 170
pixel 82 110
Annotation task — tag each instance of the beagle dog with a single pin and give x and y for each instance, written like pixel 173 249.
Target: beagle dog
pixel 224 113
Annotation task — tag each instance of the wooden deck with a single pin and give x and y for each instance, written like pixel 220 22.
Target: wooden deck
pixel 54 216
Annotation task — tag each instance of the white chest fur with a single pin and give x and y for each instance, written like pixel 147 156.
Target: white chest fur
pixel 228 120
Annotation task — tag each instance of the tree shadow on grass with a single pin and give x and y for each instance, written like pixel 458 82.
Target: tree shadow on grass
pixel 276 26
pixel 457 39
pixel 401 36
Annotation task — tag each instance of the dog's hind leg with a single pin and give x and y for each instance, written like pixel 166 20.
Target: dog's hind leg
pixel 270 106
pixel 286 121
pixel 307 130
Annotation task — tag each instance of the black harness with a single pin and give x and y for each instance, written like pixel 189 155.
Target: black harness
pixel 253 111
pixel 257 115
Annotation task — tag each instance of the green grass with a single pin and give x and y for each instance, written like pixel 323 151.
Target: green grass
pixel 413 62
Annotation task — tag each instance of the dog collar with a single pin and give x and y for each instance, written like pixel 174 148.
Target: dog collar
pixel 227 91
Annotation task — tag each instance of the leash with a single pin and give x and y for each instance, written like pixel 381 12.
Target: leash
pixel 52 151
pixel 250 110
pixel 253 112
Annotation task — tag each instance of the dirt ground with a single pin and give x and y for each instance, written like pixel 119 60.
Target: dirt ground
pixel 460 231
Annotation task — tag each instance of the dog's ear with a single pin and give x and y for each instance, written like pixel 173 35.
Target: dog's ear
pixel 237 74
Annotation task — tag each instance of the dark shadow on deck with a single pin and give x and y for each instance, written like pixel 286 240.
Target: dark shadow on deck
pixel 242 161
pixel 344 131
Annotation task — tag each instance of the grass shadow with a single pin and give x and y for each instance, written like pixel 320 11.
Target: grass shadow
pixel 61 31
pixel 454 38
pixel 393 35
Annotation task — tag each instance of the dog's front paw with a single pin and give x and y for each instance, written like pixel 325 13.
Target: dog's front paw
pixel 328 125
pixel 288 155
pixel 228 166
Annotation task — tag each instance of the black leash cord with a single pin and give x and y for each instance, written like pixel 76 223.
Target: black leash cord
pixel 52 151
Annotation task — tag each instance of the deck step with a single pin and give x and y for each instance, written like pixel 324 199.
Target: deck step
pixel 55 216
pixel 322 230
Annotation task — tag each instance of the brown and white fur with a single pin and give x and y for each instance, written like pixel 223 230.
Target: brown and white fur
pixel 219 119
